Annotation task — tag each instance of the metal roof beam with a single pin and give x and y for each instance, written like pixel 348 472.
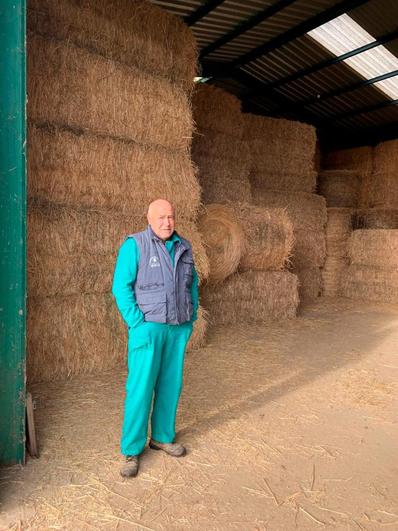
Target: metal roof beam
pixel 291 34
pixel 245 26
pixel 362 110
pixel 202 11
pixel 332 61
pixel 337 92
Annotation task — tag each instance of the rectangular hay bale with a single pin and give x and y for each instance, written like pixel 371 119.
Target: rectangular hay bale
pixel 135 33
pixel 71 86
pixel 96 171
pixel 253 296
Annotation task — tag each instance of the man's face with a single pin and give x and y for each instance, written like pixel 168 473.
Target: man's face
pixel 161 219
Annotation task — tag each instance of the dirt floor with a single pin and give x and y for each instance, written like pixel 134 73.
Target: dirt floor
pixel 288 426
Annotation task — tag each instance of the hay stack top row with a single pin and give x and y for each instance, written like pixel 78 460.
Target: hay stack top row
pixel 138 34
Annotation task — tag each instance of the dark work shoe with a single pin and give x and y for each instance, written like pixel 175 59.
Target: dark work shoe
pixel 130 467
pixel 173 449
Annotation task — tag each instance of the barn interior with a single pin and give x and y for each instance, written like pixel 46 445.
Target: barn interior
pixel 272 128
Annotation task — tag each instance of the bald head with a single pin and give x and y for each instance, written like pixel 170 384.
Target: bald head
pixel 161 218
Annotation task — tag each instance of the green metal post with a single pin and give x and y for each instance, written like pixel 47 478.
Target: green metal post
pixel 12 230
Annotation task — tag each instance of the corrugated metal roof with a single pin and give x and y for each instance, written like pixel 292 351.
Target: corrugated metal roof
pixel 378 17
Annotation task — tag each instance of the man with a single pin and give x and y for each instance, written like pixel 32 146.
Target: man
pixel 156 290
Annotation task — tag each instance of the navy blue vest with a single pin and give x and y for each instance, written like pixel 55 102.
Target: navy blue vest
pixel 163 290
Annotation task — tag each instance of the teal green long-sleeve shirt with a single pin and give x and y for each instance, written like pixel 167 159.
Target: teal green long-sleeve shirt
pixel 125 275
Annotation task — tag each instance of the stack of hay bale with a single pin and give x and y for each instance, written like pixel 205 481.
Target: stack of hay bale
pixel 373 270
pixel 341 189
pixel 217 148
pixel 359 160
pixel 109 124
pixel 283 175
pixel 248 246
pixel 373 247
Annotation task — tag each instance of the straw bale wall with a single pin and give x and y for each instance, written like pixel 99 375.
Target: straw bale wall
pixel 310 283
pixel 139 34
pixel 252 296
pixel 382 190
pixel 70 85
pixel 341 188
pixel 288 182
pixel 224 240
pixel 309 249
pixel 355 159
pixel 374 248
pixel 86 334
pixel 65 166
pixel 306 211
pixel 73 250
pixel 110 127
pixel 281 147
pixel 222 158
pixel 208 144
pixel 386 157
pixel 338 230
pixel 216 110
pixel 371 284
pixel 376 218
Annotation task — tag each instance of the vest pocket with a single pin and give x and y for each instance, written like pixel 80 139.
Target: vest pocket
pixel 153 306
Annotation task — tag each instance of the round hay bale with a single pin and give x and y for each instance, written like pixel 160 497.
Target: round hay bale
pixel 370 284
pixel 135 33
pixel 268 237
pixel 374 248
pixel 217 110
pixel 250 297
pixel 94 171
pixel 340 188
pixel 224 240
pixel 376 218
pixel 71 86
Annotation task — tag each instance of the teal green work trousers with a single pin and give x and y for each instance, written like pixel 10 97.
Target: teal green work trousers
pixel 155 369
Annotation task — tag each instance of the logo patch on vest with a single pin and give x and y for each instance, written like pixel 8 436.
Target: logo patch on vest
pixel 154 261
